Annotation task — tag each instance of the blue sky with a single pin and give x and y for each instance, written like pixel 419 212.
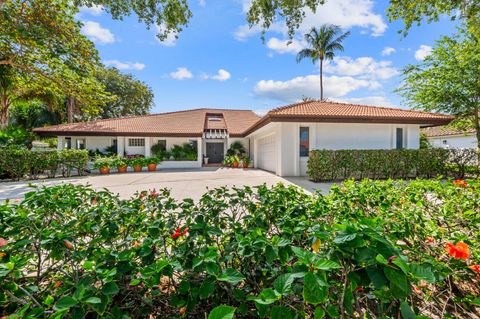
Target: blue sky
pixel 217 61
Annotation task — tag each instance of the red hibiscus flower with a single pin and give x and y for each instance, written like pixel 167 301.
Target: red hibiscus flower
pixel 178 232
pixel 475 268
pixel 460 183
pixel 3 242
pixel 68 244
pixel 458 251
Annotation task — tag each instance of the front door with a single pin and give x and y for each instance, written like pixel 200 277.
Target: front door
pixel 215 152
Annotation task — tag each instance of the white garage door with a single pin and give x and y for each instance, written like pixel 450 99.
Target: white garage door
pixel 267 154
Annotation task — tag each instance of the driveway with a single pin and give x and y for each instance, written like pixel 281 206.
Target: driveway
pixel 191 183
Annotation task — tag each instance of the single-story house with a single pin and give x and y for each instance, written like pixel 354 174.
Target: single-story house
pixel 450 137
pixel 279 141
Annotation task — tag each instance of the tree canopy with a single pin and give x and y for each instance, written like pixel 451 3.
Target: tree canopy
pixel 41 44
pixel 448 79
pixel 132 97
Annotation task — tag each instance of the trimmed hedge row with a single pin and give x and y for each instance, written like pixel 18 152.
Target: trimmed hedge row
pixel 326 165
pixel 16 163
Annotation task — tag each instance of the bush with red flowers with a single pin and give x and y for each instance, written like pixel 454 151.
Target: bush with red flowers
pixel 374 249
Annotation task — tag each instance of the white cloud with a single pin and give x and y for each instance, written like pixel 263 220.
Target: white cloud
pixel 125 65
pixel 202 3
pixel 222 75
pixel 363 67
pixel 285 46
pixel 94 10
pixel 171 39
pixel 423 52
pixel 309 86
pixel 388 50
pixel 181 74
pixel 344 13
pixel 367 100
pixel 97 33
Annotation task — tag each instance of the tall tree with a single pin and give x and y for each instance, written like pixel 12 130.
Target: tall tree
pixel 322 46
pixel 448 80
pixel 42 47
pixel 132 97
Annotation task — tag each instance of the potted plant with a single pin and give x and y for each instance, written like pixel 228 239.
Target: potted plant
pixel 235 161
pixel 137 163
pixel 121 164
pixel 246 161
pixel 152 163
pixel 227 161
pixel 103 164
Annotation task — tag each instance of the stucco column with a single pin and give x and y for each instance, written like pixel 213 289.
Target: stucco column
pixel 60 142
pixel 147 147
pixel 200 151
pixel 120 145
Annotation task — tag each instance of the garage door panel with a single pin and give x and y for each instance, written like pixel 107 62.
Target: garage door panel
pixel 267 153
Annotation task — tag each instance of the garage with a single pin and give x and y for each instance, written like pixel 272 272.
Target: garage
pixel 267 153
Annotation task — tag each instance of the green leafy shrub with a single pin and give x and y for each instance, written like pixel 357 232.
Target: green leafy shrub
pixel 18 162
pixel 374 249
pixel 159 150
pixel 73 160
pixel 382 164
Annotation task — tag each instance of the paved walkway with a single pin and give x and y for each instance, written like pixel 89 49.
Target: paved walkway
pixel 192 183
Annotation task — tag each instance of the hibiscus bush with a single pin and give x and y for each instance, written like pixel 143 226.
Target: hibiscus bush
pixel 375 249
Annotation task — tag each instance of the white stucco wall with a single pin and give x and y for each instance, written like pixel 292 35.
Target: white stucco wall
pixel 332 136
pixel 457 141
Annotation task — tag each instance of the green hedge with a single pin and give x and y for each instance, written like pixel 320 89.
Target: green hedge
pixel 17 163
pixel 327 165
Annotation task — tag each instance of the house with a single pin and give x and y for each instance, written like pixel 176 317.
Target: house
pixel 278 142
pixel 450 137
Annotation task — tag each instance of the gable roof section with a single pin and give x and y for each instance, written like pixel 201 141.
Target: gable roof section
pixel 446 131
pixel 189 123
pixel 326 111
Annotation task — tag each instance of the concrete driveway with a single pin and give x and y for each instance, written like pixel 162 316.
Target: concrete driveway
pixel 184 183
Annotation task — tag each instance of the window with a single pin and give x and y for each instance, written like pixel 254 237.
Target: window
pixel 304 141
pixel 136 142
pixel 399 145
pixel 68 142
pixel 162 145
pixel 214 118
pixel 81 144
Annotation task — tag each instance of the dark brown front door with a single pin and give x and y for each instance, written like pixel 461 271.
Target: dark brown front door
pixel 215 152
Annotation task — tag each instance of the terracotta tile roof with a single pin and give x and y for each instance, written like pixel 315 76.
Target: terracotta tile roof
pixel 445 131
pixel 192 123
pixel 326 111
pixel 189 123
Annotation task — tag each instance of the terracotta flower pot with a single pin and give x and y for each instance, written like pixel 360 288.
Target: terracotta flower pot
pixel 235 164
pixel 104 170
pixel 245 165
pixel 137 168
pixel 122 169
pixel 152 167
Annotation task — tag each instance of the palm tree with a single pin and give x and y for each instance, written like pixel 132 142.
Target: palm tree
pixel 322 45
